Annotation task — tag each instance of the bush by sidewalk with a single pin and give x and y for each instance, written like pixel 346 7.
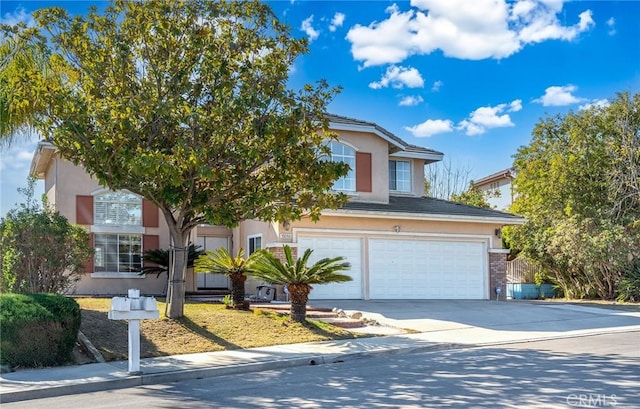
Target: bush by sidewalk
pixel 37 329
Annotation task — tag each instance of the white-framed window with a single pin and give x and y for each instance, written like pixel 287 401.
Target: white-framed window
pixel 118 253
pixel 400 176
pixel 117 209
pixel 343 153
pixel 254 243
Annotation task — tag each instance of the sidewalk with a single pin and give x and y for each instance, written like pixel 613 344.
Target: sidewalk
pixel 41 383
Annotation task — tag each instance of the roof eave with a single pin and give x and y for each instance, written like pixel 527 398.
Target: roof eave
pixel 430 156
pixel 425 216
pixel 365 128
pixel 41 158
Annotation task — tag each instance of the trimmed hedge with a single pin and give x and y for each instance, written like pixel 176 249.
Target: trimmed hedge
pixel 37 329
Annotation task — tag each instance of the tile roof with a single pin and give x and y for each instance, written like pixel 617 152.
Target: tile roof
pixel 406 147
pixel 430 206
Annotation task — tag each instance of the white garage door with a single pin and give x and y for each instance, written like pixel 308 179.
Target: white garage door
pixel 322 247
pixel 425 269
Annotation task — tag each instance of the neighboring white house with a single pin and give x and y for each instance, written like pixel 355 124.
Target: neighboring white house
pixel 500 182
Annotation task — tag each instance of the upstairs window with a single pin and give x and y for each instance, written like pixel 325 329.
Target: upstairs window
pixel 343 153
pixel 118 209
pixel 399 176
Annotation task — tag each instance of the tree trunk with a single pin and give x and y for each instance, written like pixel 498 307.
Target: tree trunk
pixel 299 294
pixel 237 290
pixel 179 253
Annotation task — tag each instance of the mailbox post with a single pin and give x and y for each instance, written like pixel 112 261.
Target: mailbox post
pixel 134 308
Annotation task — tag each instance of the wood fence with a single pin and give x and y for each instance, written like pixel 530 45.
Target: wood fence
pixel 520 270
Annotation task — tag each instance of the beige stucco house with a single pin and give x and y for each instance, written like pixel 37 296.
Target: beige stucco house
pixel 400 244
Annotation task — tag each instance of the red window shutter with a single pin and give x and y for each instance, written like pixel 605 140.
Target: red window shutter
pixel 88 265
pixel 84 210
pixel 150 242
pixel 363 172
pixel 149 214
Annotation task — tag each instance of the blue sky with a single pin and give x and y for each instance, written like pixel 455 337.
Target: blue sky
pixel 469 78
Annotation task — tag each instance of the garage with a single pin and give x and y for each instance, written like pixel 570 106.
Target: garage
pixel 323 247
pixel 426 269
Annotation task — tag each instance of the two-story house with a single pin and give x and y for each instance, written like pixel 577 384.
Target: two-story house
pixel 500 182
pixel 401 245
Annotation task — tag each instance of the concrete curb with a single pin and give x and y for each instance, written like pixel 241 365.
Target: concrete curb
pixel 282 363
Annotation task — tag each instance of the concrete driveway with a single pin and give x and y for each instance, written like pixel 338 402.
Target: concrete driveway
pixel 455 320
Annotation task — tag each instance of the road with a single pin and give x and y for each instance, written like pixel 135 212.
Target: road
pixel 591 371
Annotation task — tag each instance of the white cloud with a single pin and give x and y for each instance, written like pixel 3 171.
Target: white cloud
pixel 430 127
pixel 436 86
pixel 399 77
pixel 484 118
pixel 19 15
pixel 336 21
pixel 612 26
pixel 599 103
pixel 461 29
pixel 410 100
pixel 559 96
pixel 308 28
pixel 515 105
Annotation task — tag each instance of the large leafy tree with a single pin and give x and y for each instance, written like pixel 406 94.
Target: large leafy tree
pixel 577 185
pixel 185 103
pixel 299 276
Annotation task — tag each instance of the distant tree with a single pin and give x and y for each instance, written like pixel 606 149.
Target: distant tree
pixel 473 196
pixel 186 104
pixel 299 276
pixel 236 268
pixel 444 179
pixel 41 252
pixel 576 188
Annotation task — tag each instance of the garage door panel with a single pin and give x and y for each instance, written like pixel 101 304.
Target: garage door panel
pixel 351 249
pixel 426 269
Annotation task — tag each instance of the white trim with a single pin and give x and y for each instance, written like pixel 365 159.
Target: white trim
pixel 417 155
pixel 335 126
pixel 279 244
pixel 499 251
pixel 117 275
pixel 304 231
pixel 421 216
pixel 117 229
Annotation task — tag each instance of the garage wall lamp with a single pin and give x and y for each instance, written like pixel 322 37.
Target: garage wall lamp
pixel 498 233
pixel 286 225
pixel 396 228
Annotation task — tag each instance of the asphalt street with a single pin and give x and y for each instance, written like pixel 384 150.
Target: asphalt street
pixel 587 371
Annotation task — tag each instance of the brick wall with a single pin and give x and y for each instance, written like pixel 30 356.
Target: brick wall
pixel 497 275
pixel 279 253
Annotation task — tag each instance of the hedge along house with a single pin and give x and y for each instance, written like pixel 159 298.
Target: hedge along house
pixel 401 245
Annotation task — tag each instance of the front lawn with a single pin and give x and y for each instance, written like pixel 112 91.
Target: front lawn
pixel 205 327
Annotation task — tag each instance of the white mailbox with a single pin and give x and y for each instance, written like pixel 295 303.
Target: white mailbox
pixel 134 308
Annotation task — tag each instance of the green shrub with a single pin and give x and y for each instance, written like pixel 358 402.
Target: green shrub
pixel 37 329
pixel 629 286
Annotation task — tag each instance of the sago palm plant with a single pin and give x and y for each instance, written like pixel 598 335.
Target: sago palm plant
pixel 298 276
pixel 237 268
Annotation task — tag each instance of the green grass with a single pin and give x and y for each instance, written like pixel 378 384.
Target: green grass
pixel 205 327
